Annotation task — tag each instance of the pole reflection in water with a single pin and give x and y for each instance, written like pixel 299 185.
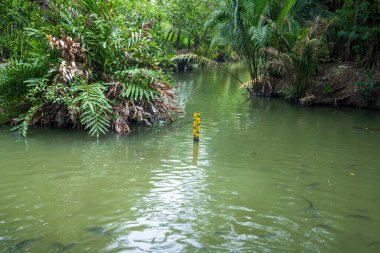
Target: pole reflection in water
pixel 277 179
pixel 195 153
pixel 168 216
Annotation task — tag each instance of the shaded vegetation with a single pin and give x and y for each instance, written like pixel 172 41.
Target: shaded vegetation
pixel 91 69
pixel 102 65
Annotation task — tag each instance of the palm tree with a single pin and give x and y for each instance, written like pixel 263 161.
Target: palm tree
pixel 248 25
pixel 298 58
pixel 241 23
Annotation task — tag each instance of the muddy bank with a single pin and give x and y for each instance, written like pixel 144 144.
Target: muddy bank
pixel 345 84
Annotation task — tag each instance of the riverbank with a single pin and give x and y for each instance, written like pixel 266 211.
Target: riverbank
pixel 344 84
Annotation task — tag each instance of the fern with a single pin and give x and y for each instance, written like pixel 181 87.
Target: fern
pixel 111 44
pixel 134 41
pixel 8 47
pixel 24 121
pixel 135 92
pixel 140 83
pixel 95 109
pixel 12 77
pixel 139 73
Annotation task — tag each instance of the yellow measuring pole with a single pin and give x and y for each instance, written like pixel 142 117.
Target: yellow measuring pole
pixel 197 123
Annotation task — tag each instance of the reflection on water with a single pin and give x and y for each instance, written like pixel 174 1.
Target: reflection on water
pixel 266 176
pixel 164 218
pixel 195 153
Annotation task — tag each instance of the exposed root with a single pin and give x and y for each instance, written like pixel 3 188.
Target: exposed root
pixel 339 84
pixel 307 100
pixel 259 87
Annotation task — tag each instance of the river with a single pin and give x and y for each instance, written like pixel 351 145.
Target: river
pixel 266 176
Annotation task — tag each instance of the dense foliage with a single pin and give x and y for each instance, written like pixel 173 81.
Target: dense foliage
pixel 103 64
pixel 276 39
pixel 89 67
pixel 357 32
pixel 286 39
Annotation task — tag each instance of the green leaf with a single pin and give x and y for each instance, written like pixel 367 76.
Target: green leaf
pixel 284 12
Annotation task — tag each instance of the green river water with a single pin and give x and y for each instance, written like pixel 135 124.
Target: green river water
pixel 266 176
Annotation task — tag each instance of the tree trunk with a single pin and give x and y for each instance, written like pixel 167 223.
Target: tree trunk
pixel 372 58
pixel 199 40
pixel 172 38
pixel 178 40
pixel 44 5
pixel 45 9
pixel 167 36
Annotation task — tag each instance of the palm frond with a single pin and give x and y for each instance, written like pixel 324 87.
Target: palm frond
pixel 193 58
pixel 284 12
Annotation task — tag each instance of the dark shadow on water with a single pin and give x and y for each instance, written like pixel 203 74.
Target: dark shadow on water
pixel 98 231
pixel 23 245
pixel 63 248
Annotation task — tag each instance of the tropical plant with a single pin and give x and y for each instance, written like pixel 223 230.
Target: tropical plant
pixel 15 16
pixel 367 89
pixel 241 23
pixel 92 71
pixel 183 23
pixel 249 26
pixel 12 77
pixel 356 33
pixel 94 108
pixel 298 59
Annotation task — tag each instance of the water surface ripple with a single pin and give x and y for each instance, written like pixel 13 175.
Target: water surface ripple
pixel 266 176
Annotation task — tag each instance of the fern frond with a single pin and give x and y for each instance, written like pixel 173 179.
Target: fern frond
pixel 139 73
pixel 135 92
pixel 95 109
pixel 24 121
pixel 12 76
pixel 134 40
